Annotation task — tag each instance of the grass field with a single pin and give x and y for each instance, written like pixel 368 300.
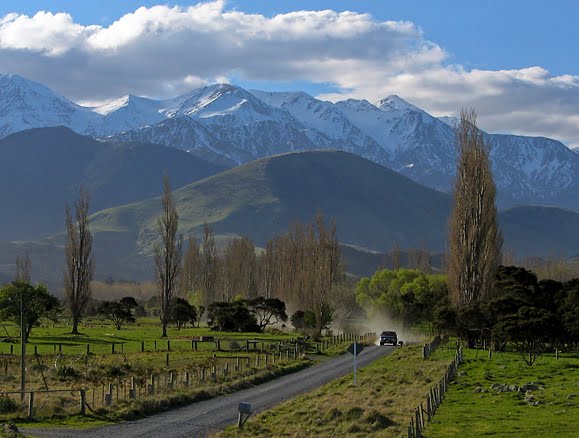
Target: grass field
pixel 195 370
pixel 379 406
pixel 471 408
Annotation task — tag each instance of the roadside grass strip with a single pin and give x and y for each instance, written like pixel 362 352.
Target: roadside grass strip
pixel 503 397
pixel 379 406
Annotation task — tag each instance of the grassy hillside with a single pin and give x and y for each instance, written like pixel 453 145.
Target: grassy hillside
pixel 547 231
pixel 374 209
pixel 42 169
pixel 372 206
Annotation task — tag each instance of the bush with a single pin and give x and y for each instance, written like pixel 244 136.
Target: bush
pixel 7 405
pixel 114 371
pixel 65 371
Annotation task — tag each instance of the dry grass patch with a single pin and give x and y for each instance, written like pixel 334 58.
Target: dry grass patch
pixel 379 406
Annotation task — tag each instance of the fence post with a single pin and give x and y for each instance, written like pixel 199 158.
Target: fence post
pixel 30 405
pixel 109 396
pixel 167 360
pixel 151 387
pixel 113 348
pixel 417 423
pixel 142 346
pixel 186 378
pixel 132 392
pixel 82 402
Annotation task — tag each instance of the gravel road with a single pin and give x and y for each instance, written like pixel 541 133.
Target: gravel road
pixel 207 417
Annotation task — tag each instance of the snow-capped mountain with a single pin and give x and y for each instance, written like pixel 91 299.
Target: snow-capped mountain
pixel 229 125
pixel 26 104
pixel 326 118
pixel 128 112
pixel 576 150
pixel 241 127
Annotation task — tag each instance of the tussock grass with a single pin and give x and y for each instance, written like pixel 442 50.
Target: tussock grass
pixel 379 406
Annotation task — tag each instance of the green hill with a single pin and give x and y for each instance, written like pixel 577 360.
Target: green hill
pixel 374 209
pixel 373 206
pixel 42 169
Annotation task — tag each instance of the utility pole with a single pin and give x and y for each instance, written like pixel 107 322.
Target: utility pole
pixel 22 348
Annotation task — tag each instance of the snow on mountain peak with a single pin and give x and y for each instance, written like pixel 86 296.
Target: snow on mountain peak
pixel 395 103
pixel 449 120
pixel 360 105
pixel 223 121
pixel 26 104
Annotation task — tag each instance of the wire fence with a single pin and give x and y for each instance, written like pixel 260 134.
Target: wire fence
pixel 179 374
pixel 425 411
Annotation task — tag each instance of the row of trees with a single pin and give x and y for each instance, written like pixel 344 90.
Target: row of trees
pixel 299 268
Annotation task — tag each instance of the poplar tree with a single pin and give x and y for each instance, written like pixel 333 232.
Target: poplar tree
pixel 474 237
pixel 79 267
pixel 167 254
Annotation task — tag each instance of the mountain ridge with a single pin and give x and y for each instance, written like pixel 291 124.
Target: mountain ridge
pixel 229 125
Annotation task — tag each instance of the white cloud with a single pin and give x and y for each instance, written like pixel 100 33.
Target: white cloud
pixel 162 51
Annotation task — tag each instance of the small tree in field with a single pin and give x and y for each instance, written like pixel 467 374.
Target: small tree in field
pixel 530 330
pixel 119 312
pixel 268 311
pixel 182 313
pixel 474 237
pixel 79 268
pixel 34 301
pixel 167 255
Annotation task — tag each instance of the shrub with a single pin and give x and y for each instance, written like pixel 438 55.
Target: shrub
pixel 65 371
pixel 7 405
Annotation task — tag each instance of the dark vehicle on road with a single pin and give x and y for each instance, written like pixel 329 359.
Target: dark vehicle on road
pixel 388 338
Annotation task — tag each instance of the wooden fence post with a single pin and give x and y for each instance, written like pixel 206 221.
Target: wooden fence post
pixel 83 402
pixel 132 391
pixel 151 386
pixel 30 412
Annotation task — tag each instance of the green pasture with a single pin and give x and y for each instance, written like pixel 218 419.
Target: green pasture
pixel 100 336
pixel 472 408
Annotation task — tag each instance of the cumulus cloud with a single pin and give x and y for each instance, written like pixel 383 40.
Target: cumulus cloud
pixel 162 51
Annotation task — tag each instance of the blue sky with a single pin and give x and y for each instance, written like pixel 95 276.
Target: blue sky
pixel 490 34
pixel 515 61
